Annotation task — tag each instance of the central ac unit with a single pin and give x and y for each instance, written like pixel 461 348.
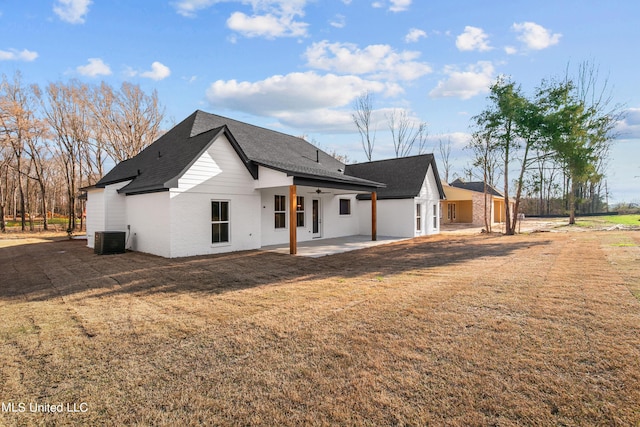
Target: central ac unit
pixel 109 242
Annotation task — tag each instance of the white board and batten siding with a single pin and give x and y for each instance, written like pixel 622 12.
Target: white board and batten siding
pixel 428 197
pixel 218 175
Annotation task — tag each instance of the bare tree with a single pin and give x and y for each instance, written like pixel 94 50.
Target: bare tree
pixel 362 118
pixel 444 148
pixel 19 125
pixel 405 132
pixel 67 115
pixel 596 95
pixel 126 121
pixel 6 156
pixel 38 151
pixel 484 149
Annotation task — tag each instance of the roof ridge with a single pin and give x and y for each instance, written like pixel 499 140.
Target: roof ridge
pixel 394 159
pixel 245 124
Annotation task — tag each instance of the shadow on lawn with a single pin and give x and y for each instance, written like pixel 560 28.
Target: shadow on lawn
pixel 58 269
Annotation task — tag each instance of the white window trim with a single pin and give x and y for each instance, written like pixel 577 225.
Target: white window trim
pixel 303 212
pixel 228 242
pixel 435 216
pixel 286 217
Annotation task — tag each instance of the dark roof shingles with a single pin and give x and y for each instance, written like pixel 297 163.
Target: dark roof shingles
pixel 404 176
pixel 477 186
pixel 162 162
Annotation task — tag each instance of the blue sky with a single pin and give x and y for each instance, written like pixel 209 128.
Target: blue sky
pixel 298 65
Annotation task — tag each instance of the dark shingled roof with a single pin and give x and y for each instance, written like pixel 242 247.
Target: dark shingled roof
pixel 158 167
pixel 404 176
pixel 476 186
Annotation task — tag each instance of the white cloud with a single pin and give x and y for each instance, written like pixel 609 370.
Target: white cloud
pixel 476 79
pixel 296 98
pixel 510 50
pixel 473 38
pixel 534 36
pixel 629 126
pixel 459 140
pixel 339 21
pixel 319 120
pixel 378 61
pixel 189 8
pixel 414 35
pixel 399 5
pixel 95 67
pixel 15 55
pixel 72 11
pixel 269 18
pixel 269 26
pixel 158 71
pixel 377 4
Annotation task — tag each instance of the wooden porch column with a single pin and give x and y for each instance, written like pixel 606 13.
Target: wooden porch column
pixel 293 207
pixel 374 216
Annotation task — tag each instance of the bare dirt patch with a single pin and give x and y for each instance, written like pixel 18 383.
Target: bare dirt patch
pixel 537 329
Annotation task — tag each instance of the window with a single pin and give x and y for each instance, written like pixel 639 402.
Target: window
pixel 345 206
pixel 418 217
pixel 300 211
pixel 435 217
pixel 219 222
pixel 280 211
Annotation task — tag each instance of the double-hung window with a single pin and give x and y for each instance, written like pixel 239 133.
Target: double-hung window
pixel 219 221
pixel 435 217
pixel 280 211
pixel 418 217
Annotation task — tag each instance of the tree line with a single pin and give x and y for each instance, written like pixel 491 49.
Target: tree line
pixel 557 142
pixel 57 139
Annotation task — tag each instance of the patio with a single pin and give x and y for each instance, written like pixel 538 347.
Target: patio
pixel 322 247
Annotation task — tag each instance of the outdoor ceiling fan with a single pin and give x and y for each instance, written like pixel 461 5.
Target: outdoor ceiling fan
pixel 319 191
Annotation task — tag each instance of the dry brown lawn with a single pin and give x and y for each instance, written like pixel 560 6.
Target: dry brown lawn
pixel 539 329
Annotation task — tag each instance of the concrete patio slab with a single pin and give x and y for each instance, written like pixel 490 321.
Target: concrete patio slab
pixel 322 247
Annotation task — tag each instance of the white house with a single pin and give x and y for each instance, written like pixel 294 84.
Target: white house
pixel 409 204
pixel 212 184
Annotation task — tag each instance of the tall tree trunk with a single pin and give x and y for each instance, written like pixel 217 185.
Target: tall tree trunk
pixel 21 199
pixel 43 192
pixel 514 221
pixel 507 208
pixel 3 227
pixel 572 202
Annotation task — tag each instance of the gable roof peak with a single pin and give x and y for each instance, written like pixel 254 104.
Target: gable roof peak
pixel 404 176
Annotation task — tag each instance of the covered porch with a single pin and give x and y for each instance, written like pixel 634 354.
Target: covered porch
pixel 299 208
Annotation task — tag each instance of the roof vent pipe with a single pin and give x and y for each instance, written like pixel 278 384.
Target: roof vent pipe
pixel 317 156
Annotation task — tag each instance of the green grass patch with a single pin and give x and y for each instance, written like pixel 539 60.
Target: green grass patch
pixel 608 221
pixel 621 219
